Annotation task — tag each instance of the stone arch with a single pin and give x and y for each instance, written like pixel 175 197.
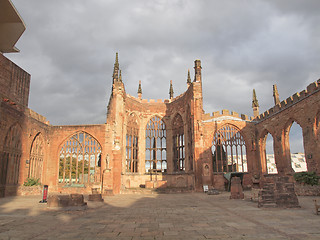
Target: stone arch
pixel 267 163
pixel 132 146
pixel 11 155
pixel 156 145
pixel 36 157
pixel 229 150
pixel 79 157
pixel 291 160
pixel 178 143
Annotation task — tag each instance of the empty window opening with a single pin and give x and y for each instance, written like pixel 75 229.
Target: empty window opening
pixel 271 166
pixel 298 160
pixel 229 150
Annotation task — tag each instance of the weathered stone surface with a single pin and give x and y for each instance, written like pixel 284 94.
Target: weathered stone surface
pixel 95 197
pixel 236 189
pixel 71 200
pixel 277 191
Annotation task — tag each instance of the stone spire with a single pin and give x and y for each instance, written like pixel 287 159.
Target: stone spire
pixel 189 78
pixel 120 77
pixel 276 95
pixel 255 104
pixel 171 90
pixel 197 70
pixel 139 90
pixel 116 69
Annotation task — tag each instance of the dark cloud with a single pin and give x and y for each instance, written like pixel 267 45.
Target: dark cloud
pixel 69 48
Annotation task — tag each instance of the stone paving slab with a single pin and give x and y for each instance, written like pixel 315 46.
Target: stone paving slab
pixel 163 216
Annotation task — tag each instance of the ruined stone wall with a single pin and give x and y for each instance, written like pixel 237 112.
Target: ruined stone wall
pixel 302 108
pixel 14 83
pixel 144 110
pixel 57 136
pixel 14 93
pixel 209 126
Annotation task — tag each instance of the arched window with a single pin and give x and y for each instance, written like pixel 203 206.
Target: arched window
pixel 79 158
pixel 36 158
pixel 156 155
pixel 132 138
pixel 11 156
pixel 178 144
pixel 298 160
pixel 268 163
pixel 229 150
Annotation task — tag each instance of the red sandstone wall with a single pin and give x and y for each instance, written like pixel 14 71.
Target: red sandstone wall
pixel 303 108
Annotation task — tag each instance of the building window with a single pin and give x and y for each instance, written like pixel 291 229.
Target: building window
pixel 11 156
pixel 178 144
pixel 36 158
pixel 132 139
pixel 156 154
pixel 229 150
pixel 79 156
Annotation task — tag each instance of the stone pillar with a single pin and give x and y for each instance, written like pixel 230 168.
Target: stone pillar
pixel 236 188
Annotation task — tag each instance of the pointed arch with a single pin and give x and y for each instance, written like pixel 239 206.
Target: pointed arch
pixel 267 158
pixel 293 138
pixel 178 143
pixel 156 145
pixel 79 158
pixel 11 156
pixel 36 157
pixel 132 139
pixel 229 150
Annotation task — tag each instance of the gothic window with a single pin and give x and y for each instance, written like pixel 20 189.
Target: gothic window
pixel 79 156
pixel 156 155
pixel 36 158
pixel 132 138
pixel 229 150
pixel 178 144
pixel 11 155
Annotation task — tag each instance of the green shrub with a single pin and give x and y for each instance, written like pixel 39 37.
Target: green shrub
pixel 309 178
pixel 31 182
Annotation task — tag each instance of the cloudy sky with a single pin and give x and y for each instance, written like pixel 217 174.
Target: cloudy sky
pixel 69 49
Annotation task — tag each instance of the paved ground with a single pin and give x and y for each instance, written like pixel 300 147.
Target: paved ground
pixel 164 216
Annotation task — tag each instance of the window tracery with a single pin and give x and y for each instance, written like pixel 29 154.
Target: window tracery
pixel 156 152
pixel 11 156
pixel 132 138
pixel 178 144
pixel 229 150
pixel 79 156
pixel 36 158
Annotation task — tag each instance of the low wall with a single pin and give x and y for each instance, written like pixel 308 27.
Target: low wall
pixel 306 190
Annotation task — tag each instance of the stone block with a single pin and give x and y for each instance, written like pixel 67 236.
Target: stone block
pixel 95 198
pixel 236 188
pixel 149 184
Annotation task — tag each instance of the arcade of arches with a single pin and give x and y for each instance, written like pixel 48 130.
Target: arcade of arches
pixel 168 143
